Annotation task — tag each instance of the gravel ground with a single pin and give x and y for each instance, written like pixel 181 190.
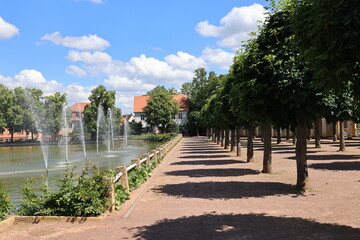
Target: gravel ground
pixel 202 191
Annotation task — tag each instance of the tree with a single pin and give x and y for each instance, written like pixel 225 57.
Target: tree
pixel 99 96
pixel 186 89
pixel 160 108
pixel 327 33
pixel 135 127
pixel 53 113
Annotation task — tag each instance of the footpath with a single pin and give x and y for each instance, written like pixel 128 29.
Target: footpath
pixel 201 191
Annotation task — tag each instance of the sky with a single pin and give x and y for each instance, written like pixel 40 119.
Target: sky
pixel 130 46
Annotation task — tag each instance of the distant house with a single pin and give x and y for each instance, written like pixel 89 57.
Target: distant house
pixel 77 110
pixel 140 102
pixel 128 117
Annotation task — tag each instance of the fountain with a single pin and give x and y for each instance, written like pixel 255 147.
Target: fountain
pixel 100 115
pixel 65 138
pixel 111 126
pixel 126 132
pixel 82 136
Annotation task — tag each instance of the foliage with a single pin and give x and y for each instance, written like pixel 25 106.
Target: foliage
pixel 99 96
pixel 155 137
pixel 138 176
pixel 5 205
pixel 53 113
pixel 121 195
pixel 327 33
pixel 160 108
pixel 172 127
pixel 135 128
pixel 83 195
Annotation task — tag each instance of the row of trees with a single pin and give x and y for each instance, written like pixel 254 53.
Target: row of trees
pixel 21 108
pixel 301 65
pixel 28 110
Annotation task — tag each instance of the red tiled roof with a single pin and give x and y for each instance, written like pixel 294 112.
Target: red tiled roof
pixel 141 101
pixel 80 106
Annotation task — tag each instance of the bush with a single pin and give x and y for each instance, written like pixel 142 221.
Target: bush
pixel 156 137
pixel 83 195
pixel 138 176
pixel 135 128
pixel 172 127
pixel 5 205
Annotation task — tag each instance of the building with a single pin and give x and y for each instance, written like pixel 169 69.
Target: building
pixel 77 110
pixel 141 101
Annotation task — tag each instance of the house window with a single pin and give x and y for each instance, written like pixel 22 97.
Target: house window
pixel 142 117
pixel 173 117
pixel 180 115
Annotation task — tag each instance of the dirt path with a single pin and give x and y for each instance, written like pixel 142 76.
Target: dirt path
pixel 204 192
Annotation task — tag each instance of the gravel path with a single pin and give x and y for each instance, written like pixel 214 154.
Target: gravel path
pixel 202 191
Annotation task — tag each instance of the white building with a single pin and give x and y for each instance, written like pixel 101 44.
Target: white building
pixel 141 101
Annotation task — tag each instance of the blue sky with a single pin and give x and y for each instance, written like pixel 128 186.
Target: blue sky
pixel 129 46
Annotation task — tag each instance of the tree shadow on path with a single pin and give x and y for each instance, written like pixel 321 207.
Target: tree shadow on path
pixel 192 156
pixel 227 190
pixel 207 162
pixel 243 226
pixel 228 172
pixel 331 157
pixel 337 166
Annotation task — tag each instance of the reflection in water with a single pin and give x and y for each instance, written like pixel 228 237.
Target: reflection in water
pixel 19 163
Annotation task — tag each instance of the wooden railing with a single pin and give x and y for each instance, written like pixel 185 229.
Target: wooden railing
pixel 122 171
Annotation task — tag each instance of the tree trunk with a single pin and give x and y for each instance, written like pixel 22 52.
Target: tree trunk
pixel 221 135
pixel 227 136
pixel 302 183
pixel 32 135
pixel 12 136
pixel 317 133
pixel 232 145
pixel 267 148
pixel 278 133
pixel 217 131
pixel 342 138
pixel 250 145
pixel 287 133
pixel 294 137
pixel 238 143
pixel 335 137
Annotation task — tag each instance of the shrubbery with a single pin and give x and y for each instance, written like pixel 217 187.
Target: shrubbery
pixel 83 195
pixel 5 204
pixel 155 137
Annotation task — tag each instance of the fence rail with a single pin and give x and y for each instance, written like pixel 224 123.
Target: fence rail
pixel 122 171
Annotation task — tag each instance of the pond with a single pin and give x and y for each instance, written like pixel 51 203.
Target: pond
pixel 19 163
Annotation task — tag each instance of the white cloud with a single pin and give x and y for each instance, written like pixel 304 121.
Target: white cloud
pixel 86 43
pixel 30 78
pixel 124 84
pixel 235 26
pixel 76 71
pixel 185 61
pixel 96 1
pixel 218 57
pixel 7 30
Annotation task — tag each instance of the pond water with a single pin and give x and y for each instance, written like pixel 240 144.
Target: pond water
pixel 19 163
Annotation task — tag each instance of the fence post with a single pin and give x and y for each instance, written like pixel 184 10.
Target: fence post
pixel 111 193
pixel 155 158
pixel 147 156
pixel 124 178
pixel 137 161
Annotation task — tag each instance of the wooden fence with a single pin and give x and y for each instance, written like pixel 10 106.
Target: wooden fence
pixel 122 171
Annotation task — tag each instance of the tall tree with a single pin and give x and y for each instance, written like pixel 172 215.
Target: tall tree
pixel 160 108
pixel 53 113
pixel 99 96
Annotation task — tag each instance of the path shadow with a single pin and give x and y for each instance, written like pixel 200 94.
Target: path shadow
pixel 208 162
pixel 226 190
pixel 243 226
pixel 337 166
pixel 290 152
pixel 204 156
pixel 228 172
pixel 207 151
pixel 331 157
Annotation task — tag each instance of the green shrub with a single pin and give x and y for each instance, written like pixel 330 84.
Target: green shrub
pixel 155 137
pixel 172 127
pixel 83 195
pixel 121 195
pixel 138 176
pixel 5 205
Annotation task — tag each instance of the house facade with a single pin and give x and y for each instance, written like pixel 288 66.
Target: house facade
pixel 140 102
